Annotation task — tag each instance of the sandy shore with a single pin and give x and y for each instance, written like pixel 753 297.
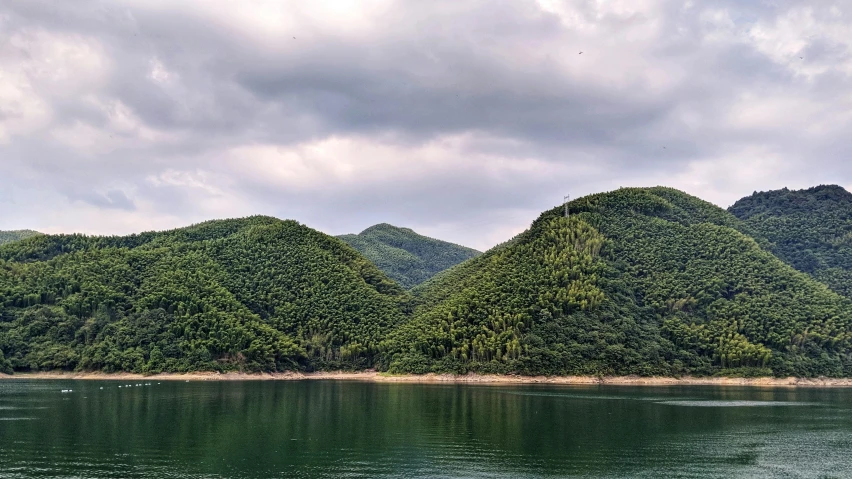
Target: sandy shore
pixel 373 376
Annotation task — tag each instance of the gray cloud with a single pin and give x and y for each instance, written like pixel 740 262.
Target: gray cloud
pixel 113 199
pixel 463 119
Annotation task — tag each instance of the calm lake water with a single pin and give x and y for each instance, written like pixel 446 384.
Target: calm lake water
pixel 351 429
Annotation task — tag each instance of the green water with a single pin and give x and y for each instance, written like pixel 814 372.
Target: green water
pixel 351 429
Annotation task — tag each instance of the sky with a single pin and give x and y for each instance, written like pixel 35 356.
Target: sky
pixel 463 120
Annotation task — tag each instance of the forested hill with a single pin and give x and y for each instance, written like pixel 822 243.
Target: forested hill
pixel 647 281
pixel 810 229
pixel 637 281
pixel 9 236
pixel 251 294
pixel 405 256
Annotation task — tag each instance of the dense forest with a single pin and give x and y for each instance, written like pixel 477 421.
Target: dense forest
pixel 647 281
pixel 405 256
pixel 9 236
pixel 252 294
pixel 636 281
pixel 810 229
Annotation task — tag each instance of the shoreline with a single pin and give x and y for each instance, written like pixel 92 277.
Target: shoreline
pixel 432 378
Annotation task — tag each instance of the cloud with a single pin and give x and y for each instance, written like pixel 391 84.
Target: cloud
pixel 461 119
pixel 113 199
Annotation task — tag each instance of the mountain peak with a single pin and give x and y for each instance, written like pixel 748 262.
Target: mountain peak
pixel 387 227
pixel 636 281
pixel 405 255
pixel 16 235
pixel 810 229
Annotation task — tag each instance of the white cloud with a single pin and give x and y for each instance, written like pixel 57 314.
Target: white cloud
pixel 356 163
pixel 463 120
pixel 159 73
pixel 789 38
pixel 185 179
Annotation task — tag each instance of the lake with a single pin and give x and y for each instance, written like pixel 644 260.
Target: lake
pixel 253 429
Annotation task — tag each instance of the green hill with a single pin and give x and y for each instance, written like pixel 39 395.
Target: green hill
pixel 9 236
pixel 647 281
pixel 405 256
pixel 637 281
pixel 252 294
pixel 810 229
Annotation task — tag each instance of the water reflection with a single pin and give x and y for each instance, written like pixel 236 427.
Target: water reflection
pixel 353 429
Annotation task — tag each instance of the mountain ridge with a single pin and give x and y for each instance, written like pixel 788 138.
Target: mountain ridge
pixel 811 229
pixel 405 255
pixel 253 294
pixel 638 281
pixel 16 235
pixel 647 281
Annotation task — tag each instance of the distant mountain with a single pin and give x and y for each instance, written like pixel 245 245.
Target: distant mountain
pixel 254 294
pixel 810 229
pixel 405 256
pixel 647 281
pixel 16 235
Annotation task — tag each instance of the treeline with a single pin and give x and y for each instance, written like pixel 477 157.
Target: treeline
pixel 647 281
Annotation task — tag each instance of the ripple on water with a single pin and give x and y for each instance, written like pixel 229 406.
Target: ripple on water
pixel 566 395
pixel 736 403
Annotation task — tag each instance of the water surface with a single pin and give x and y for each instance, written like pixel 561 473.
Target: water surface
pixel 253 429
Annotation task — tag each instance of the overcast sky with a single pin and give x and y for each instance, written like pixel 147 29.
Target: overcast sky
pixel 461 119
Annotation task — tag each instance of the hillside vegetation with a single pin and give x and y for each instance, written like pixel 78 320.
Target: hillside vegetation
pixel 16 235
pixel 637 281
pixel 251 294
pixel 405 256
pixel 810 229
pixel 647 281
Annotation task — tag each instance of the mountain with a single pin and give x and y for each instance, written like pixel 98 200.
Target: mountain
pixel 9 236
pixel 405 256
pixel 810 229
pixel 647 281
pixel 252 294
